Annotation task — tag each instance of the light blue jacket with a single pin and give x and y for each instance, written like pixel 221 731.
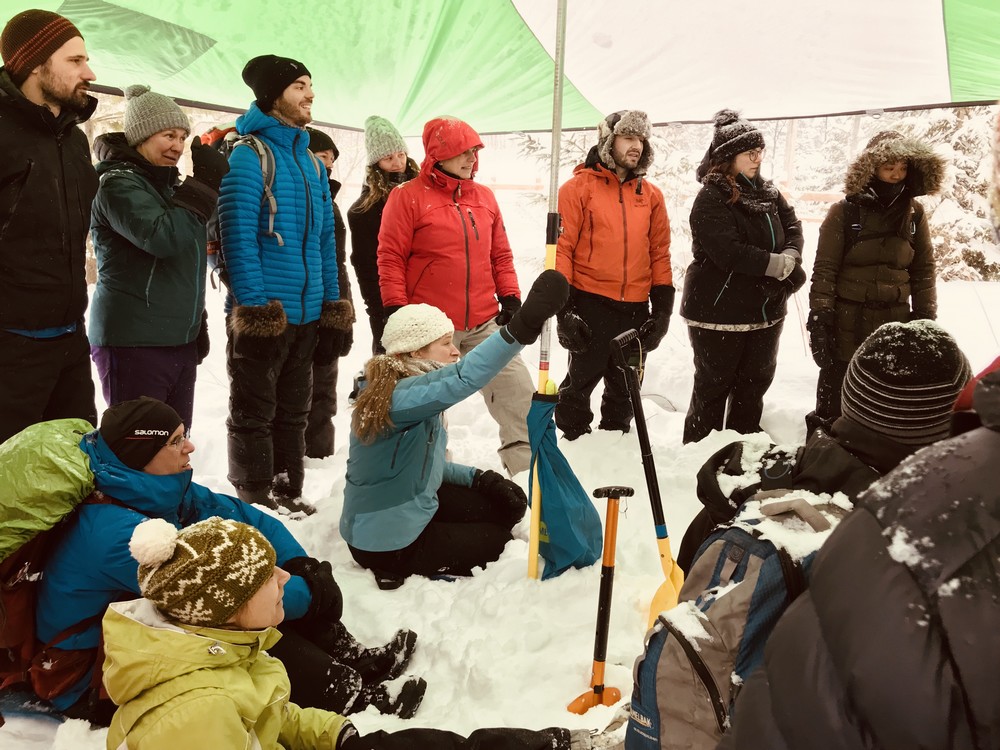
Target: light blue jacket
pixel 391 490
pixel 301 273
pixel 91 566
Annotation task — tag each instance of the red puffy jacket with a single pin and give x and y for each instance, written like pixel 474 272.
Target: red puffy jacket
pixel 442 240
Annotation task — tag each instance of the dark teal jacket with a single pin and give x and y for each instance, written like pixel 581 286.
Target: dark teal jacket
pixel 151 254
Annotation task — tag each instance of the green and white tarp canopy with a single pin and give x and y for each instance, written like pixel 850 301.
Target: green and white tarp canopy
pixel 490 61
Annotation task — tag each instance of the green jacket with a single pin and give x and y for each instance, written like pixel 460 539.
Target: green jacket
pixel 182 687
pixel 151 254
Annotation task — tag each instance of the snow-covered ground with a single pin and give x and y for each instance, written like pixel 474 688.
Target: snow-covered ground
pixel 498 649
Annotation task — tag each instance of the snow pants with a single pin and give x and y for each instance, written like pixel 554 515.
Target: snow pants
pixel 43 379
pixel 507 397
pixel 166 373
pixel 467 531
pixel 268 411
pixel 319 427
pixel 733 368
pixel 318 679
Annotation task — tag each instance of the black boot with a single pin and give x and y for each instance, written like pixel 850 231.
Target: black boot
pixel 288 498
pixel 375 665
pixel 403 702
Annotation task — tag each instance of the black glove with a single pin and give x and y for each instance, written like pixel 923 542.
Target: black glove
pixel 202 342
pixel 509 497
pixel 336 331
pixel 508 306
pixel 822 337
pixel 796 279
pixel 210 166
pixel 258 330
pixel 327 603
pixel 329 343
pixel 546 297
pixel 572 331
pixel 651 332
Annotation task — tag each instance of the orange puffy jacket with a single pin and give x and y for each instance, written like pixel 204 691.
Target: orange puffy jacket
pixel 615 240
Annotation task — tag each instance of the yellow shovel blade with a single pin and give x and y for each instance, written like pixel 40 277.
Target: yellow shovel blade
pixel 667 595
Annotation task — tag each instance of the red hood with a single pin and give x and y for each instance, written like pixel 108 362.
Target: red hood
pixel 445 137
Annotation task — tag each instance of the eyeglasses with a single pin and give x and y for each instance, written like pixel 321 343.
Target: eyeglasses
pixel 177 443
pixel 756 155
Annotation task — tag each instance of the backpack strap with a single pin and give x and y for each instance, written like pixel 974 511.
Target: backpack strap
pixel 852 225
pixel 266 157
pixel 791 571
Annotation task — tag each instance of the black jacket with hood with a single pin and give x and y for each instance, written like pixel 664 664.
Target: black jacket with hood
pixel 47 184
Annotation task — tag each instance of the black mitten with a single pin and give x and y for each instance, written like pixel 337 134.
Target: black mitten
pixel 796 279
pixel 257 330
pixel 209 165
pixel 327 604
pixel 508 306
pixel 547 296
pixel 498 489
pixel 335 325
pixel 388 310
pixel 651 332
pixel 822 337
pixel 202 342
pixel 572 331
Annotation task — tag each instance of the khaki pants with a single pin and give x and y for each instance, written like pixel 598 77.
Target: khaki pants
pixel 508 397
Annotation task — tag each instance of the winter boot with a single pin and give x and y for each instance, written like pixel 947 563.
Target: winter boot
pixel 402 701
pixel 256 496
pixel 375 665
pixel 289 499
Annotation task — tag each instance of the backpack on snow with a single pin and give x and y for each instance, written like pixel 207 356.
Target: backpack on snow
pixel 698 654
pixel 225 140
pixel 46 477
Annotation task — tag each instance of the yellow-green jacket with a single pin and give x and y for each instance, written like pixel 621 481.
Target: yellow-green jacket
pixel 179 687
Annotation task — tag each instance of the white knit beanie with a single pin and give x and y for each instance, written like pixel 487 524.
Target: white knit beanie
pixel 147 113
pixel 413 327
pixel 382 139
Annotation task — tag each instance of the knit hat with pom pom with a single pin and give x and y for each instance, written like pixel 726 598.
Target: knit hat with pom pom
pixel 413 327
pixel 147 113
pixel 202 574
pixel 733 135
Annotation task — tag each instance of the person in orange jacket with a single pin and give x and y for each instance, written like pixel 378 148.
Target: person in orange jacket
pixel 442 242
pixel 615 251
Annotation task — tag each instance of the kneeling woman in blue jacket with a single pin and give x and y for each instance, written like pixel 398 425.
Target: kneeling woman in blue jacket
pixel 408 510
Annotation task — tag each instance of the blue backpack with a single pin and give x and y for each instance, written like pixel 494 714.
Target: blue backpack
pixel 698 655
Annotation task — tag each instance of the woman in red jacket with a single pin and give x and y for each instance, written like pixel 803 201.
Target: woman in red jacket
pixel 442 242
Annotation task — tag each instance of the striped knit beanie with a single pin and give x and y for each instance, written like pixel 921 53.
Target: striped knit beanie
pixel 903 381
pixel 202 574
pixel 30 38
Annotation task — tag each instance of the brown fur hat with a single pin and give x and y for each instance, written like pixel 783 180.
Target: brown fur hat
pixel 925 168
pixel 266 321
pixel 626 122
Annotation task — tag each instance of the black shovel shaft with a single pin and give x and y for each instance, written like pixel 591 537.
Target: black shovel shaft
pixel 604 613
pixel 620 349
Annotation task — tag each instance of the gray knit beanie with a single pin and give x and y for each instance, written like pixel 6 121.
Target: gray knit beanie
pixel 382 139
pixel 903 381
pixel 147 113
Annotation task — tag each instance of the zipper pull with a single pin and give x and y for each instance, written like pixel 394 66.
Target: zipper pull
pixel 473 220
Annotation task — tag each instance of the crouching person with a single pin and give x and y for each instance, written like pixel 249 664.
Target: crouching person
pixel 190 659
pixel 141 462
pixel 408 510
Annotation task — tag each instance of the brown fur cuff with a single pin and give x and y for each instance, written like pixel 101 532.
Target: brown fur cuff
pixel 259 320
pixel 338 314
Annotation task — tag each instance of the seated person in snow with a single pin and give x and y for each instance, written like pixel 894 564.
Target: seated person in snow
pixel 897 398
pixel 408 510
pixel 140 461
pixel 192 658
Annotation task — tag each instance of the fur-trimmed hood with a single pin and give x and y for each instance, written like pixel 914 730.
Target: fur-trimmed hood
pixel 925 168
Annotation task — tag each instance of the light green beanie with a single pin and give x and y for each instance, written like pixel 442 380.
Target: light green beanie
pixel 382 139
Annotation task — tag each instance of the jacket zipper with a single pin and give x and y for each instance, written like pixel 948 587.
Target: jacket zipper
pixel 590 255
pixel 621 200
pixel 399 440
pixel 305 233
pixel 149 281
pixel 472 218
pixel 427 454
pixel 468 262
pixel 17 198
pixel 704 674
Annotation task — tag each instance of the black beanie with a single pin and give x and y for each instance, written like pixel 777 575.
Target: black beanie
pixel 269 75
pixel 733 135
pixel 137 430
pixel 903 381
pixel 320 141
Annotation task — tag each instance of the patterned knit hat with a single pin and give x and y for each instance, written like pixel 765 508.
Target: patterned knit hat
pixel 625 122
pixel 30 38
pixel 136 430
pixel 382 139
pixel 204 573
pixel 269 75
pixel 320 141
pixel 413 327
pixel 903 381
pixel 147 113
pixel 733 135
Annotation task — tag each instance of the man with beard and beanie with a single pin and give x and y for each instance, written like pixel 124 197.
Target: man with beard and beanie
pixel 615 251
pixel 442 242
pixel 47 183
pixel 874 262
pixel 746 243
pixel 140 459
pixel 319 428
pixel 284 304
